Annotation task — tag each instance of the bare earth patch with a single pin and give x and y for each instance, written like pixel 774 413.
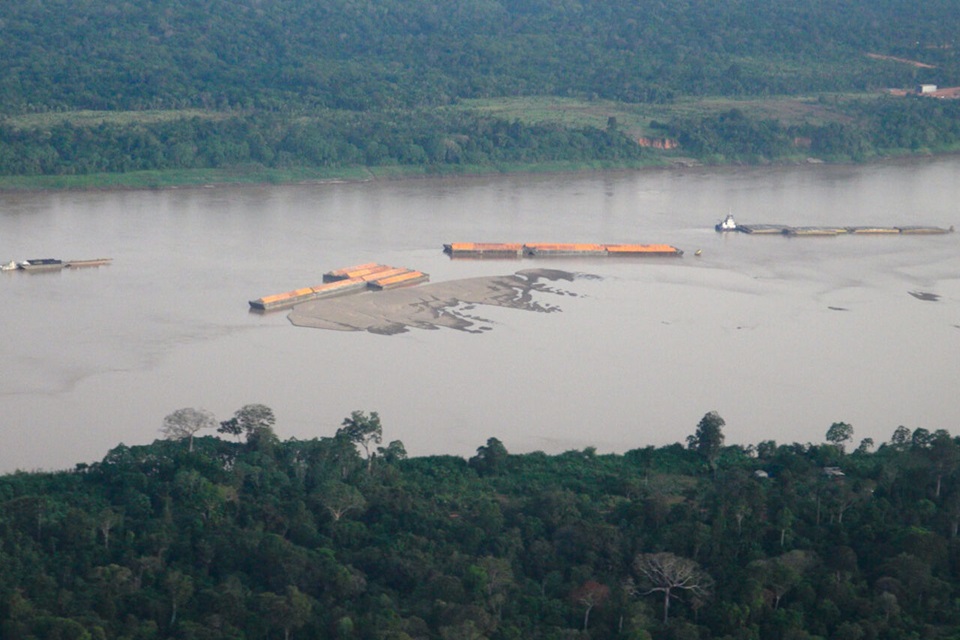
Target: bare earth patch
pixel 443 304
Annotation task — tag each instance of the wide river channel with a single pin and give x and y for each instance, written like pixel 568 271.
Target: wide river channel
pixel 782 336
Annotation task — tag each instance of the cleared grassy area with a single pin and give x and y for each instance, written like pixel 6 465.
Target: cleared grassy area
pixel 635 119
pixel 182 178
pixel 260 175
pixel 88 118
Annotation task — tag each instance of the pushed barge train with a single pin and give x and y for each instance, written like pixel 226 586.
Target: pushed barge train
pixel 729 224
pixel 364 277
pixel 53 264
pixel 546 250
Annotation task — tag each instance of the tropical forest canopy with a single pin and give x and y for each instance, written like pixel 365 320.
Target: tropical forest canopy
pixel 344 537
pixel 333 83
pixel 350 54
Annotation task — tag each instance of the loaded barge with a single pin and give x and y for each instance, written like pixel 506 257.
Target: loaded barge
pixel 484 249
pixel 364 277
pixel 547 250
pixel 729 224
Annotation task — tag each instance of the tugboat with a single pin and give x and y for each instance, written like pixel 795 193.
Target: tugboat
pixel 727 224
pixel 42 264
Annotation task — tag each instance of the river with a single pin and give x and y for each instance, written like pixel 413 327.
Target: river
pixel 781 336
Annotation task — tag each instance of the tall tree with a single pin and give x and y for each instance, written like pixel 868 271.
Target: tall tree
pixel 364 431
pixel 589 595
pixel 838 434
pixel 667 573
pixel 708 439
pixel 254 420
pixel 185 423
pixel 490 458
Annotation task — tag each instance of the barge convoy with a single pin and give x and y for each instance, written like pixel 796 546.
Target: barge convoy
pixel 547 250
pixel 729 224
pixel 52 264
pixel 363 277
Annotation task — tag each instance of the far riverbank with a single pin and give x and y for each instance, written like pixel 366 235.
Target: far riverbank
pixel 298 175
pixel 256 175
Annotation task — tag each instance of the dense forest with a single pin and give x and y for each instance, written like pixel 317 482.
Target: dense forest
pixel 247 536
pixel 334 83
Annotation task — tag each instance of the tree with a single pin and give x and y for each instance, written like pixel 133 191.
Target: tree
pixel 490 458
pixel 590 594
pixel 290 611
pixel 338 498
pixel 362 430
pixel 666 573
pixel 944 455
pixel 838 434
pixel 231 427
pixel 254 420
pixel 900 438
pixel 106 522
pixel 393 452
pixel 180 589
pixel 185 423
pixel 776 576
pixel 708 440
pixel 920 438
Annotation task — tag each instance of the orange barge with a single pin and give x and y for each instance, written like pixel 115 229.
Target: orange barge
pixel 290 298
pixel 372 276
pixel 483 249
pixel 642 250
pixel 406 279
pixel 544 249
pixel 357 271
pixel 555 249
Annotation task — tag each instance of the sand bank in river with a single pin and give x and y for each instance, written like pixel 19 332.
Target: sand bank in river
pixel 443 304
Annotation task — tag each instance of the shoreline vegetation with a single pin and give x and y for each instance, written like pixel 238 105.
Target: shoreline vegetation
pixel 91 150
pixel 249 537
pixel 253 176
pixel 259 176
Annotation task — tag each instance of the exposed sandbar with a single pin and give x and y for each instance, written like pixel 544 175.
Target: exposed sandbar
pixel 432 306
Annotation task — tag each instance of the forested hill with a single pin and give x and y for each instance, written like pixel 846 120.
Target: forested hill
pixel 360 54
pixel 339 538
pixel 102 86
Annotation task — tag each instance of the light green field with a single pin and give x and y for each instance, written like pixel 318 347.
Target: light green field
pixel 183 178
pixel 89 118
pixel 635 119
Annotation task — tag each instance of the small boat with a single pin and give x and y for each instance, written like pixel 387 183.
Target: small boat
pixel 727 224
pixel 41 264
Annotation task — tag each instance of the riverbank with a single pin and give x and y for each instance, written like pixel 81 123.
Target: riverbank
pixel 252 175
pixel 255 175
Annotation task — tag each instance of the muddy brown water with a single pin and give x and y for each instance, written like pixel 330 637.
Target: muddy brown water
pixel 633 355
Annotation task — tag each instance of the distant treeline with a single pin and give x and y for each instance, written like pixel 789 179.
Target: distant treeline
pixel 873 127
pixel 360 55
pixel 340 140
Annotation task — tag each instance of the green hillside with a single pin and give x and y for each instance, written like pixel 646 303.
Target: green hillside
pixel 339 83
